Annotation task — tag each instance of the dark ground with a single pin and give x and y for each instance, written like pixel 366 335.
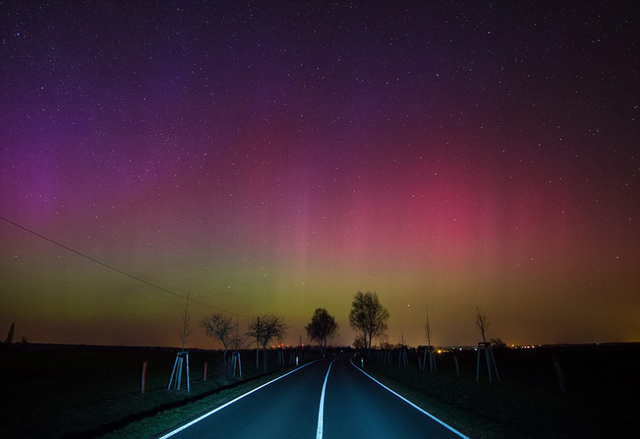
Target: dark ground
pixel 81 391
pixel 85 391
pixel 602 387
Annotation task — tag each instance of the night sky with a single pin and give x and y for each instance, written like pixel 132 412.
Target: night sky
pixel 277 157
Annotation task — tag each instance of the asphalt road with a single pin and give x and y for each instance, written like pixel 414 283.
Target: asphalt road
pixel 295 406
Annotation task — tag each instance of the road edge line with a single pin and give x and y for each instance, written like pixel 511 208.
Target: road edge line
pixel 217 409
pixel 321 409
pixel 444 424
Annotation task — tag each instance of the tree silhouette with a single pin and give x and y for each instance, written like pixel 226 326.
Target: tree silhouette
pixel 220 327
pixel 9 338
pixel 368 316
pixel 359 342
pixel 323 326
pixel 498 343
pixel 186 331
pixel 427 328
pixel 482 323
pixel 267 328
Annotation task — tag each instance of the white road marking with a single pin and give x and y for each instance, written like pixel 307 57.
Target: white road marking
pixel 321 409
pixel 200 418
pixel 412 404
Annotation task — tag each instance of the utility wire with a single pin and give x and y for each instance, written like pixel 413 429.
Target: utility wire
pixel 118 270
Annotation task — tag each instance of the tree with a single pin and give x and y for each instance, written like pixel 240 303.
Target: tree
pixel 185 332
pixel 429 349
pixel 323 326
pixel 498 343
pixel 427 328
pixel 220 327
pixel 237 340
pixel 359 342
pixel 264 329
pixel 402 344
pixel 482 323
pixel 9 339
pixel 368 316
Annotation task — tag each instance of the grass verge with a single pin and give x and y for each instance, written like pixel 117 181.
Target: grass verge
pixel 165 420
pixel 595 406
pixel 86 392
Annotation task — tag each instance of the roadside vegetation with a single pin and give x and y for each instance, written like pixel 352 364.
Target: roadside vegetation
pixel 83 391
pixel 601 387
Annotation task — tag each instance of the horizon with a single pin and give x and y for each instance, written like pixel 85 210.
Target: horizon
pixel 23 345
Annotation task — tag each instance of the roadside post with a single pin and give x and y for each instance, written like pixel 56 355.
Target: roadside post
pixel 235 358
pixel 556 365
pixel 143 378
pixel 402 358
pixel 182 359
pixel 491 361
pixel 432 359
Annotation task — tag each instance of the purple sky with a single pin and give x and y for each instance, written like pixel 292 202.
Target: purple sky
pixel 279 157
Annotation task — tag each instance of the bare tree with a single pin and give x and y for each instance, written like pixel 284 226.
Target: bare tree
pixel 368 316
pixel 186 331
pixel 323 326
pixel 359 343
pixel 237 341
pixel 9 338
pixel 264 329
pixel 221 327
pixel 427 327
pixel 482 323
pixel 428 352
pixel 402 344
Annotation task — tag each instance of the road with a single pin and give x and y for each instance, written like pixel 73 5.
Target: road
pixel 330 398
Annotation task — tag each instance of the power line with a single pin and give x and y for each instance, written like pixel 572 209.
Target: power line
pixel 116 269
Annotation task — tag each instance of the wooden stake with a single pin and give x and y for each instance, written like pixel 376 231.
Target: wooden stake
pixel 432 359
pixel 491 361
pixel 179 382
pixel 175 368
pixel 177 371
pixel 424 360
pixel 556 365
pixel 144 377
pixel 188 383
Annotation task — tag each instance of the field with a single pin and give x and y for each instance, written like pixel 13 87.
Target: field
pixel 601 382
pixel 57 391
pixel 80 391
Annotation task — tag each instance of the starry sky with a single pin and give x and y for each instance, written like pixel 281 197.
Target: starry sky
pixel 277 157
